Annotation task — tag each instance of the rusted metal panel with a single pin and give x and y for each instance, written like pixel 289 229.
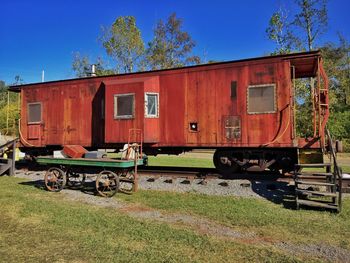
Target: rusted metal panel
pixel 81 111
pixel 74 151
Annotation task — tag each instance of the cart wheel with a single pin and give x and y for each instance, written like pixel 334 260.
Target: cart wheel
pixel 127 181
pixel 75 180
pixel 107 183
pixel 55 179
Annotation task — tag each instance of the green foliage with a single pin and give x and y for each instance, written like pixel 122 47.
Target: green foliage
pixel 312 20
pixel 9 111
pixel 337 65
pixel 301 31
pixel 123 42
pixel 81 65
pixel 279 31
pixel 171 47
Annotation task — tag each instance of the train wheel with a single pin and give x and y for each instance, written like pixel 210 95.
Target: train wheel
pixel 127 181
pixel 55 179
pixel 75 180
pixel 227 170
pixel 107 183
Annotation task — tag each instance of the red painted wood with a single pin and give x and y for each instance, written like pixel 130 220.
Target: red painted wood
pixel 81 111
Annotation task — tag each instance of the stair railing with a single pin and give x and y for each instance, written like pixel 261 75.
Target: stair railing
pixel 336 169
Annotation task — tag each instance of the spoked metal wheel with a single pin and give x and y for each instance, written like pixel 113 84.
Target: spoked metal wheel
pixel 75 180
pixel 107 183
pixel 55 179
pixel 127 181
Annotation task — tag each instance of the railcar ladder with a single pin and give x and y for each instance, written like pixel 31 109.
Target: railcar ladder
pixel 319 189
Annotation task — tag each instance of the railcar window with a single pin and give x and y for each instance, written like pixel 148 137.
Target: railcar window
pixel 124 106
pixel 261 99
pixel 233 89
pixel 151 105
pixel 34 112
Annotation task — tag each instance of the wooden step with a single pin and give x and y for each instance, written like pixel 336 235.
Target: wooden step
pixel 316 177
pixel 322 174
pixel 4 167
pixel 308 192
pixel 313 165
pixel 318 204
pixel 313 183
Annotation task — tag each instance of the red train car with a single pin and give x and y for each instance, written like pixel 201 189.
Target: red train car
pixel 244 109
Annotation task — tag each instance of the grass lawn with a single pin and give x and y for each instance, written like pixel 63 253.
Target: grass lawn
pixel 271 221
pixel 184 161
pixel 38 226
pixel 179 161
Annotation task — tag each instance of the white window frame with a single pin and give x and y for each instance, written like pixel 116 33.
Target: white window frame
pixel 146 105
pixel 116 117
pixel 41 112
pixel 274 99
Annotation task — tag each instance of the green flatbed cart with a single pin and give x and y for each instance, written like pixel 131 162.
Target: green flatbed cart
pixel 113 175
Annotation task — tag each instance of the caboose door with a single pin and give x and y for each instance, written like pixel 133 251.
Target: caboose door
pixel 123 110
pixel 34 123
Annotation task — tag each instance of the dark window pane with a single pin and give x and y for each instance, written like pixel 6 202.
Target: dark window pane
pixel 152 104
pixel 261 99
pixel 233 89
pixel 34 112
pixel 124 106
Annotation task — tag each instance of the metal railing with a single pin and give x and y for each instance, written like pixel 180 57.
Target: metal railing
pixel 337 171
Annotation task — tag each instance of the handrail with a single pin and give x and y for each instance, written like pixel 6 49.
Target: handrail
pixel 337 170
pixel 9 143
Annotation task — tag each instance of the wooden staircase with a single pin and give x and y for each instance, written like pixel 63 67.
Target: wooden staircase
pixel 319 189
pixel 7 165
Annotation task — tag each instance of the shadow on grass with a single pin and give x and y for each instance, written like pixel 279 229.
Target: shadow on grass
pixel 271 186
pixel 278 192
pixel 87 188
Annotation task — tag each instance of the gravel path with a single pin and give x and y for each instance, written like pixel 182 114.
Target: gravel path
pixel 242 188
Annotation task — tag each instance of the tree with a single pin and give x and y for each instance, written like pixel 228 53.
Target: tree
pixel 171 47
pixel 302 31
pixel 337 65
pixel 279 31
pixel 297 33
pixel 9 108
pixel 312 20
pixel 81 65
pixel 18 80
pixel 123 43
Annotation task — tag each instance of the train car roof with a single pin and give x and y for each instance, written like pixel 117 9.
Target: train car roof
pixel 305 64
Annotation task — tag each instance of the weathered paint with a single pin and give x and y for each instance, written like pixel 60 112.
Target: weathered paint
pixel 81 111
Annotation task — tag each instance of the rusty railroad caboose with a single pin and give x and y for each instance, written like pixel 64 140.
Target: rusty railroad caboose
pixel 244 109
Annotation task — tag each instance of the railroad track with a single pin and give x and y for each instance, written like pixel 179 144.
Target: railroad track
pixel 188 174
pixel 199 173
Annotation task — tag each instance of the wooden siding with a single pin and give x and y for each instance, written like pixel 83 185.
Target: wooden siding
pixel 82 111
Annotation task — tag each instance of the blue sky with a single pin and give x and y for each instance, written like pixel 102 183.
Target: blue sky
pixel 43 35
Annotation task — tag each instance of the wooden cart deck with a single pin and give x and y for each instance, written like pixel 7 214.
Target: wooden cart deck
pixel 105 162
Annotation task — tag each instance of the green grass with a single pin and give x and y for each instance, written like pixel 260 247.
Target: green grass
pixel 178 161
pixel 38 226
pixel 269 220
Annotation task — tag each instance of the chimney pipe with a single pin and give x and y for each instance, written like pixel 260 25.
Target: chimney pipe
pixel 93 70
